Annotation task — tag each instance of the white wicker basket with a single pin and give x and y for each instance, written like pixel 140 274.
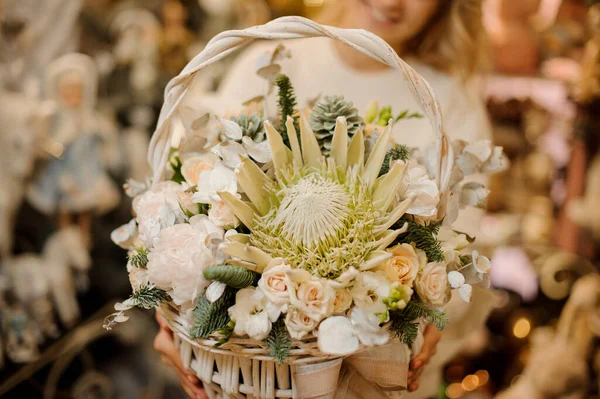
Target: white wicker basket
pixel 242 368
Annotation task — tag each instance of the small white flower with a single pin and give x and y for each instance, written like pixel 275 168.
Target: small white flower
pixel 125 235
pixel 369 291
pixel 253 314
pixel 260 152
pixel 452 244
pixel 211 183
pixel 337 336
pixel 416 181
pixel 367 327
pixel 230 152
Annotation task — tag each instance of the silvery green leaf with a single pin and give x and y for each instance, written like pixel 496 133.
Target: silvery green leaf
pixel 230 152
pixel 482 149
pixel 456 279
pixel 231 129
pixel 260 152
pixel 473 194
pixel 497 162
pixel 465 292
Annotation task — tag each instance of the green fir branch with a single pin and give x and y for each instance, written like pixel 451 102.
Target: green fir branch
pixel 176 165
pixel 424 237
pixel 417 309
pixel 212 316
pixel 234 276
pixel 287 105
pixel 279 342
pixel 139 258
pixel 149 296
pixel 397 152
pixel 403 328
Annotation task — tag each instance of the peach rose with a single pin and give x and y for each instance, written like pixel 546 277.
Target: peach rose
pixel 192 167
pixel 432 284
pixel 315 298
pixel 342 301
pixel 276 284
pixel 299 324
pixel 403 266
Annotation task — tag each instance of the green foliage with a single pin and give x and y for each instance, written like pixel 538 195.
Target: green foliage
pixel 405 115
pixel 176 165
pixel 226 332
pixel 234 276
pixel 397 152
pixel 278 341
pixel 286 102
pixel 210 317
pixel 404 325
pixel 424 237
pixel 149 296
pixel 252 126
pixel 139 258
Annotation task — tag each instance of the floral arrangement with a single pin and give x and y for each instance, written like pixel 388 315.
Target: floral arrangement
pixel 308 224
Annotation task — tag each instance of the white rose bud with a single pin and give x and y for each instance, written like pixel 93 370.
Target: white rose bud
pixel 299 324
pixel 315 298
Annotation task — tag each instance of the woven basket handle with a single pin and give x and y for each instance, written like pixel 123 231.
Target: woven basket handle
pixel 292 28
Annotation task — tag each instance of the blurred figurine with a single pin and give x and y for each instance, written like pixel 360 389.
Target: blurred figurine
pixel 19 331
pixel 73 178
pixel 136 54
pixel 558 363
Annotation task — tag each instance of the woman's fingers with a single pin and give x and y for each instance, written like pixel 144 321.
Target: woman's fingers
pixel 193 391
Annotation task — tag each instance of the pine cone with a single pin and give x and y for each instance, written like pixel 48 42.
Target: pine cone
pixel 324 115
pixel 252 126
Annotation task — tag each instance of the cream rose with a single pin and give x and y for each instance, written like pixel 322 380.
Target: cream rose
pixel 185 200
pixel 432 284
pixel 342 301
pixel 192 167
pixel 276 284
pixel 299 324
pixel 221 215
pixel 315 298
pixel 403 266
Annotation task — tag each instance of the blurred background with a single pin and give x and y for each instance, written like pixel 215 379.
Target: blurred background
pixel 542 228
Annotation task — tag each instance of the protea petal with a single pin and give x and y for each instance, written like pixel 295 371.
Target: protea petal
pixel 240 208
pixel 247 253
pixel 374 259
pixel 255 184
pixel 388 238
pixel 292 136
pixel 278 150
pixel 356 150
pixel 339 143
pixel 388 185
pixel 398 212
pixel 241 238
pixel 311 151
pixel 373 165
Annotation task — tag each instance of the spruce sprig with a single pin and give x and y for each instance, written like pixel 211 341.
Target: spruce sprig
pixel 286 102
pixel 279 342
pixel 139 258
pixel 424 237
pixel 149 296
pixel 234 276
pixel 212 316
pixel 404 325
pixel 397 152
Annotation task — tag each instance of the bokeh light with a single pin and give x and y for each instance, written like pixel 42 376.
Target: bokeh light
pixel 522 328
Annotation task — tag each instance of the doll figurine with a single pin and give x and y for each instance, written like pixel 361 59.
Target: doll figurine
pixel 72 180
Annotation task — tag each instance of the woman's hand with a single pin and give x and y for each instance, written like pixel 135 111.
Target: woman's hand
pixel 431 337
pixel 164 344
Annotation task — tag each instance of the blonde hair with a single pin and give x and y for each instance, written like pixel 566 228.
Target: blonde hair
pixel 453 41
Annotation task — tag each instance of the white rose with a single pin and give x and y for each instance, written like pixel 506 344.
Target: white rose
pixel 299 324
pixel 276 284
pixel 222 215
pixel 211 183
pixel 157 209
pixel 403 266
pixel 432 284
pixel 193 166
pixel 315 298
pixel 179 257
pixel 125 235
pixel 253 314
pixel 342 302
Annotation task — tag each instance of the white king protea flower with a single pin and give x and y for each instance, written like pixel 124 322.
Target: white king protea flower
pixel 321 214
